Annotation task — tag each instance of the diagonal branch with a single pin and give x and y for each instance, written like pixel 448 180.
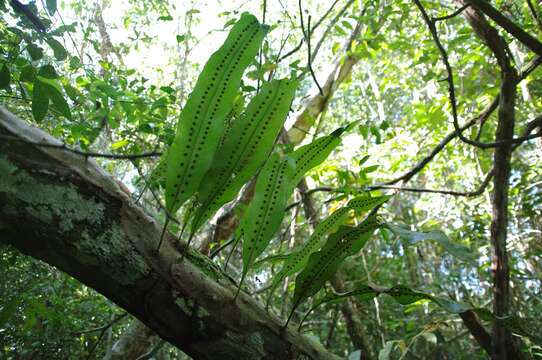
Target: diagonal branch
pixel 102 238
pixel 509 26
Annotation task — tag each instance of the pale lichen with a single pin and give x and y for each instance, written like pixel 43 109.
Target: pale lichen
pixel 112 248
pixel 47 202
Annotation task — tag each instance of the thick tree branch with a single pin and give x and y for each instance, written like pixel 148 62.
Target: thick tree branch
pixel 509 26
pixel 66 211
pixel 503 346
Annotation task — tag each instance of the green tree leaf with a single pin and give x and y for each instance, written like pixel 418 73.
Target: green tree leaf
pixel 59 101
pixel 414 237
pixel 36 53
pixel 58 49
pixel 40 100
pixel 5 77
pixel 51 6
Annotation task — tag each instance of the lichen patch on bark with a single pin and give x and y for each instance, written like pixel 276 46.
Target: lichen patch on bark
pixel 112 248
pixel 47 202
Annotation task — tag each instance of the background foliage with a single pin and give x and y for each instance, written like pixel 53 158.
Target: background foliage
pixel 112 77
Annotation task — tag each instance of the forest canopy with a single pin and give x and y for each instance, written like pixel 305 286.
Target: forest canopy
pixel 270 179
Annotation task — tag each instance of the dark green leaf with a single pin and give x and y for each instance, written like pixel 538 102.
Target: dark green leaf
pixel 60 52
pixel 414 237
pixel 40 100
pixel 51 6
pixel 5 77
pixel 35 51
pixel 28 74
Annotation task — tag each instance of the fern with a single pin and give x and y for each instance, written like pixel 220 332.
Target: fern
pixel 266 210
pixel 323 264
pixel 201 122
pixel 245 148
pixel 298 259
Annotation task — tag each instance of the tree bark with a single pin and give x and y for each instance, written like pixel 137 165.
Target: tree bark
pixel 503 346
pixel 62 208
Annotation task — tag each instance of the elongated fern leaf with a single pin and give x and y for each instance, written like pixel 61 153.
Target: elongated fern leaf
pixel 298 259
pixel 313 154
pixel 266 210
pixel 245 148
pixel 201 122
pixel 324 263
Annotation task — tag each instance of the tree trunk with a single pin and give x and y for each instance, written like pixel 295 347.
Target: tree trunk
pixel 62 208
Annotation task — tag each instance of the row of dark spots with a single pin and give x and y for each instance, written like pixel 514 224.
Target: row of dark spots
pixel 218 102
pixel 268 204
pixel 326 259
pixel 199 111
pixel 230 159
pixel 234 154
pixel 313 154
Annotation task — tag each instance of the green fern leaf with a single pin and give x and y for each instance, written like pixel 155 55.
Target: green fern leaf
pixel 313 154
pixel 298 259
pixel 245 149
pixel 201 122
pixel 323 264
pixel 266 210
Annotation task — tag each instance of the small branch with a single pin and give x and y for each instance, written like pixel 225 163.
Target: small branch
pixel 221 247
pixel 535 14
pixel 100 328
pixel 330 26
pixel 450 16
pixel 261 46
pixel 86 154
pixel 473 193
pixel 306 35
pixel 150 354
pixel 300 44
pixel 526 71
pixel 102 333
pixel 154 195
pixel 444 56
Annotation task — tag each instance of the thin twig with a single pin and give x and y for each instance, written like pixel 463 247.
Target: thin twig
pixel 452 15
pixel 100 328
pixel 309 60
pixel 300 44
pixel 221 247
pixel 261 47
pixel 86 154
pixel 102 333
